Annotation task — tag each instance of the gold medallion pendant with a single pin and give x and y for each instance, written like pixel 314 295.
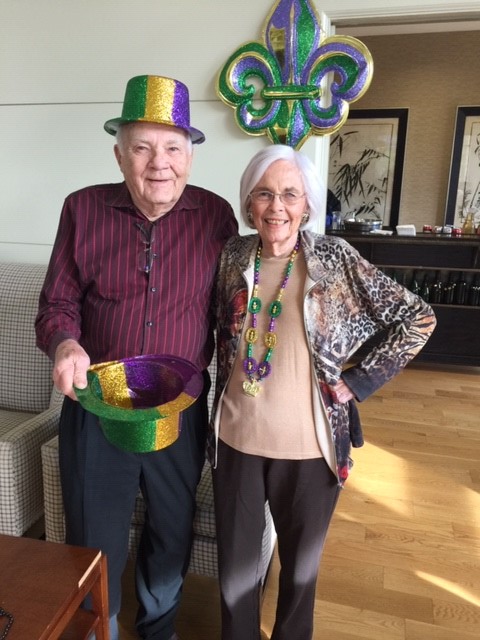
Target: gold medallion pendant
pixel 251 388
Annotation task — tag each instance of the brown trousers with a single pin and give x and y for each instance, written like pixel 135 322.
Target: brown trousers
pixel 302 495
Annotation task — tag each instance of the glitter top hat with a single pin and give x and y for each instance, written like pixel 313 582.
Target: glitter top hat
pixel 159 100
pixel 139 400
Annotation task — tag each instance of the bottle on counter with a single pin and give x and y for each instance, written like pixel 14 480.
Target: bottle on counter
pixel 449 290
pixel 436 290
pixel 474 293
pixel 425 290
pixel 469 222
pixel 461 290
pixel 414 284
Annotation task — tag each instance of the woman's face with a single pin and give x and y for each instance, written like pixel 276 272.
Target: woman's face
pixel 277 221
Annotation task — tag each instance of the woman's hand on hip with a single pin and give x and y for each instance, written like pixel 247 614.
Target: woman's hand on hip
pixel 342 391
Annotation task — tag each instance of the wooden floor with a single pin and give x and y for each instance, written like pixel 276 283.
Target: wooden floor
pixel 402 559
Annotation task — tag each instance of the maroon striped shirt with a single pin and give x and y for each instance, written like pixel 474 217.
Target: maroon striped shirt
pixel 97 290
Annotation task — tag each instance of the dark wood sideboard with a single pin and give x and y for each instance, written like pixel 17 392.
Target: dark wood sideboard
pixel 447 272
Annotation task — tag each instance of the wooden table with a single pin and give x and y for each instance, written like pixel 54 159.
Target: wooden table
pixel 42 584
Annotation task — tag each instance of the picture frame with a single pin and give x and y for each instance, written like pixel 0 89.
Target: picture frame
pixel 464 180
pixel 366 164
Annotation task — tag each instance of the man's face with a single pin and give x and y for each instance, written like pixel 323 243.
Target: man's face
pixel 155 160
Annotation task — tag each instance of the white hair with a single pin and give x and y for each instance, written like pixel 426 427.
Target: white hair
pixel 261 161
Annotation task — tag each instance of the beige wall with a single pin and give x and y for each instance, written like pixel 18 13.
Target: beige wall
pixel 63 71
pixel 431 74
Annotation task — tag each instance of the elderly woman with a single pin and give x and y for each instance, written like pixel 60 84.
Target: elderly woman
pixel 292 308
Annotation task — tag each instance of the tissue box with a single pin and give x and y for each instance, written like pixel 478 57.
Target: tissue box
pixel 406 230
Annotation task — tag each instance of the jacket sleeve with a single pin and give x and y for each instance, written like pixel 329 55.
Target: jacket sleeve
pixel 406 322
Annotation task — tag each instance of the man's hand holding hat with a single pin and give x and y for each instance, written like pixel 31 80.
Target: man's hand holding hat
pixel 70 367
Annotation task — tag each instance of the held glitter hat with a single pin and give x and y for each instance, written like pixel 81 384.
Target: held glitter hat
pixel 159 100
pixel 139 400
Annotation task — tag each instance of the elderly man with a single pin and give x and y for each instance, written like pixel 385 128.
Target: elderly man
pixel 131 273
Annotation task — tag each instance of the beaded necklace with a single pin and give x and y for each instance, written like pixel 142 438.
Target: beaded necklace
pixel 256 372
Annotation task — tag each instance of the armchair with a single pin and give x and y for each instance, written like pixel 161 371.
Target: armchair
pixel 28 415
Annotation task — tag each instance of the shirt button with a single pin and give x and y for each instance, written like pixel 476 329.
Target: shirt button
pixel 153 289
pixel 149 323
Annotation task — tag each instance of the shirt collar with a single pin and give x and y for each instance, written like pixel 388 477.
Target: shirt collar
pixel 123 200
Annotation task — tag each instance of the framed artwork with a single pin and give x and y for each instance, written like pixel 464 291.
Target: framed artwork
pixel 366 164
pixel 464 182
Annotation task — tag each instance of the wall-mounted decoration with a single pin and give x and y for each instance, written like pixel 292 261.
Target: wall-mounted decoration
pixel 366 164
pixel 464 184
pixel 296 83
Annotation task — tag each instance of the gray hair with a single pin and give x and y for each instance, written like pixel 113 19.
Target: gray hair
pixel 261 161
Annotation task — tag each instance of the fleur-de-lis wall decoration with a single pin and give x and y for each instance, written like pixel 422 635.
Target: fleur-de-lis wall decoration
pixel 275 88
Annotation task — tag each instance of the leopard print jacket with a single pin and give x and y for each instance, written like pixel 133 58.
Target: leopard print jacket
pixel 349 301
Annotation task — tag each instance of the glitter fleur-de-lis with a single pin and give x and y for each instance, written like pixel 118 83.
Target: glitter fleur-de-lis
pixel 276 89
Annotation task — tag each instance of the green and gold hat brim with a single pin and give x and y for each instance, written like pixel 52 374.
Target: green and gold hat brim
pixel 139 400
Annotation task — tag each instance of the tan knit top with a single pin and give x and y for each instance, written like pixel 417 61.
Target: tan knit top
pixel 279 421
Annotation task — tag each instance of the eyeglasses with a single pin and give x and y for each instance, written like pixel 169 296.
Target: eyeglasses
pixel 147 255
pixel 287 197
